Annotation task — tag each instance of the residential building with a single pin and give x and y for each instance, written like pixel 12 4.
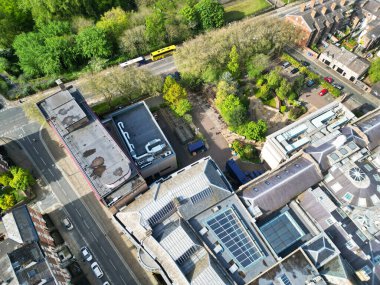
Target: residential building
pixel 113 178
pixel 137 131
pixel 319 20
pixel 346 63
pixel 33 260
pixel 370 10
pixel 311 130
pixel 369 38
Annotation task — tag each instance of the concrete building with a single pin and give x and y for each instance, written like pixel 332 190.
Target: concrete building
pixel 311 130
pixel 34 260
pixel 346 63
pixel 192 229
pixel 319 19
pixel 112 176
pixel 137 131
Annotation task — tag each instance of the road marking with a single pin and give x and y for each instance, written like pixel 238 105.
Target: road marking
pixel 35 149
pixel 103 250
pixel 78 212
pixel 43 161
pixel 28 139
pixel 95 237
pixel 84 222
pixel 51 172
pixel 123 279
pixel 112 263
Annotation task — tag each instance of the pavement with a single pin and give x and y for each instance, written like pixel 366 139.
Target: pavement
pixel 67 194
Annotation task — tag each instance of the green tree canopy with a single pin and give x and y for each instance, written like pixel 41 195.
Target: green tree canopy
pixel 133 41
pixel 21 178
pixel 5 179
pixel 374 71
pixel 211 14
pixel 113 22
pixel 155 30
pixel 92 42
pixel 7 201
pixel 190 16
pixel 182 107
pixel 284 89
pixel 273 78
pixel 233 64
pixel 257 64
pixel 233 111
pixel 255 130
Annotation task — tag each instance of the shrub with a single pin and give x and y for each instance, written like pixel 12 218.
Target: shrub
pixel 245 151
pixel 296 112
pixel 283 109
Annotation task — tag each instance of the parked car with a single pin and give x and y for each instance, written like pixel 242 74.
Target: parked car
pixel 328 79
pixel 96 269
pixel 338 86
pixel 323 92
pixel 294 70
pixel 286 64
pixel 305 63
pixel 106 283
pixel 86 253
pixel 67 223
pixel 310 83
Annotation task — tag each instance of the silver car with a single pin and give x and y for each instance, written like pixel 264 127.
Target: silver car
pixel 86 253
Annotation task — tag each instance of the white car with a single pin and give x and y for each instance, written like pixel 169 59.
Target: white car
pixel 86 253
pixel 98 272
pixel 106 283
pixel 67 223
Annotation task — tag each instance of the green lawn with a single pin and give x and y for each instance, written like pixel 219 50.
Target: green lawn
pixel 239 9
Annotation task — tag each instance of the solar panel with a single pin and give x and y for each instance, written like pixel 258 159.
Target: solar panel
pixel 285 279
pixel 162 214
pixel 232 235
pixel 201 195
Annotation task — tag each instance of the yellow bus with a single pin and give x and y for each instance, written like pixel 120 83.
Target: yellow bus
pixel 161 53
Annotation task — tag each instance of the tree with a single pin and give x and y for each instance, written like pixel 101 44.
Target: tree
pixel 79 23
pixel 374 71
pixel 7 201
pixel 233 111
pixel 113 22
pixel 257 64
pixel 133 41
pixel 255 130
pixel 189 14
pixel 4 64
pixel 5 178
pixel 182 107
pixel 224 89
pixel 21 178
pixel 175 93
pixel 155 30
pixel 273 78
pixel 264 92
pixel 211 14
pixel 296 112
pixel 92 42
pixel 284 89
pixel 298 84
pixel 233 65
pixel 169 82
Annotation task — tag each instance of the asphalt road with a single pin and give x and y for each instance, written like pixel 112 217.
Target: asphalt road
pixel 87 230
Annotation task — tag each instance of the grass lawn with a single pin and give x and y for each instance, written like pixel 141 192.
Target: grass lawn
pixel 270 102
pixel 239 9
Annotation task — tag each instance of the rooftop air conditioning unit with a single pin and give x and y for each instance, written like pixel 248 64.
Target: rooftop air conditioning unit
pixel 203 231
pixel 233 268
pixel 218 248
pixel 215 209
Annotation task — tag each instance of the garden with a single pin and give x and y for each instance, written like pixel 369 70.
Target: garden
pixel 238 9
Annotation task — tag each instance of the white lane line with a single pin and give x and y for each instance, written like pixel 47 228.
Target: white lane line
pixel 29 140
pixel 84 222
pixel 51 172
pixel 78 212
pixel 43 161
pixel 113 265
pixel 103 250
pixel 35 149
pixel 123 280
pixel 95 237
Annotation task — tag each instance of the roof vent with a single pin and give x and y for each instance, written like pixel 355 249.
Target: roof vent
pixel 218 248
pixel 215 209
pixel 233 268
pixel 203 231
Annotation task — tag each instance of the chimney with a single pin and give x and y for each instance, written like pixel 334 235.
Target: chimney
pixel 333 5
pixel 60 84
pixel 313 13
pixel 342 3
pixel 324 10
pixel 312 3
pixel 321 1
pixel 302 7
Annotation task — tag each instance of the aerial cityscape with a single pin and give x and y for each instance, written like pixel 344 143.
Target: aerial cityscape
pixel 197 142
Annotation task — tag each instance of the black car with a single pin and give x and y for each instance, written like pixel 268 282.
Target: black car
pixel 338 86
pixel 294 70
pixel 305 63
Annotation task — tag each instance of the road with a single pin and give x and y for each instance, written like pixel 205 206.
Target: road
pixel 87 230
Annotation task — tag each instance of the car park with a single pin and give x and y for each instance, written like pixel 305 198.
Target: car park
pixel 86 253
pixel 338 86
pixel 286 64
pixel 323 92
pixel 96 269
pixel 294 70
pixel 310 83
pixel 328 79
pixel 67 223
pixel 305 63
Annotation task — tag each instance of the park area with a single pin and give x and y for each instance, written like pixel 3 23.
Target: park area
pixel 237 10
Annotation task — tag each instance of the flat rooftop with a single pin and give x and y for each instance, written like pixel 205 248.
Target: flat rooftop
pixel 296 268
pixel 102 161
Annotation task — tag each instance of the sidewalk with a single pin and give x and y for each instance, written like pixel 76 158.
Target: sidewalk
pixel 103 215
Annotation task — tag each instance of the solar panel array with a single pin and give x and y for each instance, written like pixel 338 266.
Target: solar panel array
pixel 201 195
pixel 162 214
pixel 231 233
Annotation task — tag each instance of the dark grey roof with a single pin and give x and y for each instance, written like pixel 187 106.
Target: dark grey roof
pixel 371 127
pixel 320 250
pixel 320 154
pixel 25 224
pixel 271 192
pixel 372 7
pixel 337 267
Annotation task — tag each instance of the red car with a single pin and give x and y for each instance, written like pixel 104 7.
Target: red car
pixel 323 92
pixel 328 79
